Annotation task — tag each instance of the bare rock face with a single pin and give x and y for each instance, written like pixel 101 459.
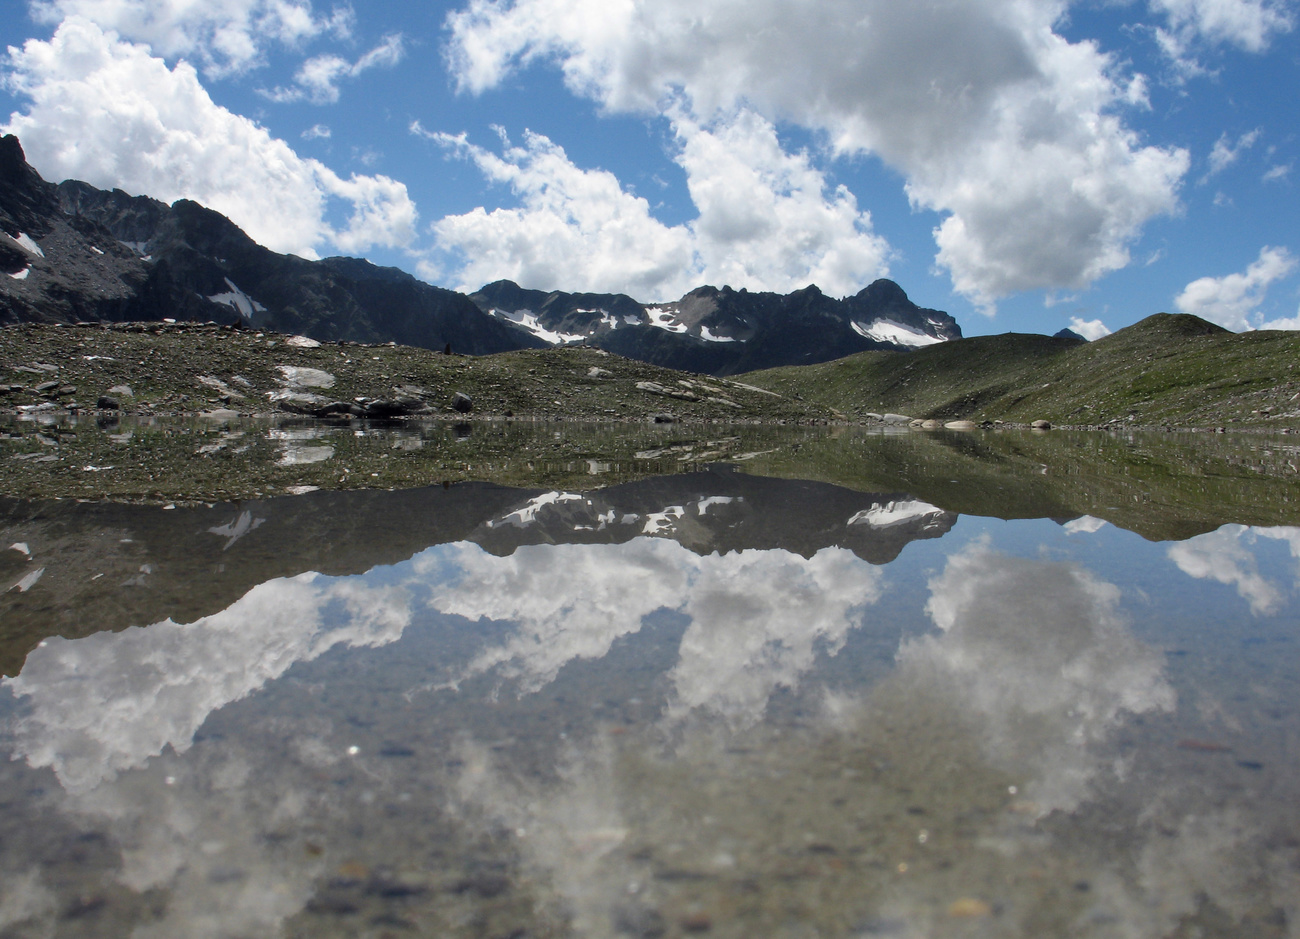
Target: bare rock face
pixel 55 267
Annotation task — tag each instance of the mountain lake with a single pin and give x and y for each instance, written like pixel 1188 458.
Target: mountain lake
pixel 843 684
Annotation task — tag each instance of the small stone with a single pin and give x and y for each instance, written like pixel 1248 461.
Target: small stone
pixel 107 403
pixel 1041 425
pixel 961 425
pixel 597 372
pixel 931 424
pixel 462 402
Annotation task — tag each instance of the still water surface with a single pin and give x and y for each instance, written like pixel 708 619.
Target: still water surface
pixel 707 704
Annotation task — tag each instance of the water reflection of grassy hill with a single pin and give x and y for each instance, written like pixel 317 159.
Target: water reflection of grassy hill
pixel 1161 485
pixel 1174 370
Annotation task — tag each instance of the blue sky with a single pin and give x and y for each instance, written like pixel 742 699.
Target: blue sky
pixel 1023 164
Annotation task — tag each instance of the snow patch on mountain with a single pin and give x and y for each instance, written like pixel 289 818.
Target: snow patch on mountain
pixel 25 242
pixel 529 321
pixel 237 300
pixel 889 331
pixel 664 319
pixel 709 337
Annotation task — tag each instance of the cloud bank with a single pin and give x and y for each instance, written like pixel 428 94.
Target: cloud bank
pixel 768 220
pixel 1009 132
pixel 113 114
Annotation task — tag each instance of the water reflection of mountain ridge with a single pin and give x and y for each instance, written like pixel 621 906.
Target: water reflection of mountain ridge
pixel 110 566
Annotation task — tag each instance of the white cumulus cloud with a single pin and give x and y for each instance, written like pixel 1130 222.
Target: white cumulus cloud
pixel 1231 300
pixel 1195 24
pixel 1089 329
pixel 767 219
pixel 226 37
pixel 1225 152
pixel 574 227
pixel 317 80
pixel 1005 128
pixel 113 114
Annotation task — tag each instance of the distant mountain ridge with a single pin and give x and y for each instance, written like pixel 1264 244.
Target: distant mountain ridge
pixel 724 331
pixel 72 252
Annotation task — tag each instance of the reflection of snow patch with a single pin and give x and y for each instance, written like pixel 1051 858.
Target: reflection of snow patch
pixel 889 331
pixel 894 513
pixel 232 531
pixel 705 504
pixel 1084 525
pixel 21 275
pixel 658 523
pixel 528 514
pixel 300 456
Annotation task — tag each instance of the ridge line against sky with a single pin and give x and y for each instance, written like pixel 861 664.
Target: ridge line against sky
pixel 1023 164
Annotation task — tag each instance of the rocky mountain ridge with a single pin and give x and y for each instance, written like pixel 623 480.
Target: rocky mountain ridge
pixel 75 253
pixel 724 331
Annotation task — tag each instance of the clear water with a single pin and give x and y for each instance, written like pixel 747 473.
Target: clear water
pixel 707 704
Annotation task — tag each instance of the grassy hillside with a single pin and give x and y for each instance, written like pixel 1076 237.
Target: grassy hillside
pixel 1174 370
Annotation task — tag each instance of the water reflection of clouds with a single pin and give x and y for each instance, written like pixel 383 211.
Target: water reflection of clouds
pixel 1039 653
pixel 1028 676
pixel 1031 672
pixel 757 617
pixel 1226 556
pixel 107 702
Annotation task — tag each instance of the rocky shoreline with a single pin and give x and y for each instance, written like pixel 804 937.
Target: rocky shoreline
pixel 189 368
pixel 222 371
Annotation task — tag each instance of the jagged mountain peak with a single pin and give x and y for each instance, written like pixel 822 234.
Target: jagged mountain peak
pixel 722 330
